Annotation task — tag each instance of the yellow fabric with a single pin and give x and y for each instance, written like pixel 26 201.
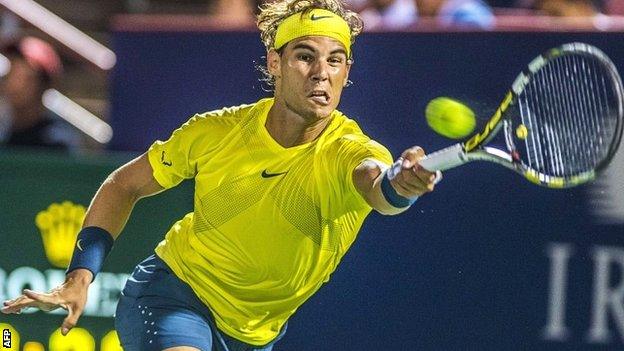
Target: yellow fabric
pixel 256 247
pixel 318 22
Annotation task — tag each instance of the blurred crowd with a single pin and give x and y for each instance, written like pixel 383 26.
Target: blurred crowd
pixel 31 66
pixel 400 14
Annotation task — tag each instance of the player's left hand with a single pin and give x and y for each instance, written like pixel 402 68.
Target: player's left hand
pixel 71 296
pixel 413 180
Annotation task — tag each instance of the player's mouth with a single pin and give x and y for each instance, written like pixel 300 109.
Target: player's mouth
pixel 320 97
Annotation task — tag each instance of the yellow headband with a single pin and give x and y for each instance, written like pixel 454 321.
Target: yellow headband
pixel 315 22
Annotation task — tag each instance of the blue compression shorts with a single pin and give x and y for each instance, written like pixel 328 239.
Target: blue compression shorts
pixel 157 311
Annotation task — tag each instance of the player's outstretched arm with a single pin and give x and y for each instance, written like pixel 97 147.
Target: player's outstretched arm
pixel 105 218
pixel 394 196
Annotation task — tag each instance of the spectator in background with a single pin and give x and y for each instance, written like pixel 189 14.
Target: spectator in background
pixel 356 5
pixel 465 13
pixel 24 121
pixel 566 8
pixel 235 13
pixel 614 7
pixel 9 25
pixel 389 14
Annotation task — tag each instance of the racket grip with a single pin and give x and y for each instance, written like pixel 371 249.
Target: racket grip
pixel 444 159
pixel 440 160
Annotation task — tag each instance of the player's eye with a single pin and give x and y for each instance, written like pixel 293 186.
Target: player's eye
pixel 305 57
pixel 335 60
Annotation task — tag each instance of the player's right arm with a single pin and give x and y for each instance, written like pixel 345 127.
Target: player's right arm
pixel 165 165
pixel 112 204
pixel 396 196
pixel 109 211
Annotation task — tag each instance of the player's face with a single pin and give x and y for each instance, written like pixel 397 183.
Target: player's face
pixel 310 75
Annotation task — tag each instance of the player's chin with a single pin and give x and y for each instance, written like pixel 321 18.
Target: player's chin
pixel 319 113
pixel 321 110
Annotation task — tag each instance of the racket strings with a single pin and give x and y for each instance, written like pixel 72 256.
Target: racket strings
pixel 570 109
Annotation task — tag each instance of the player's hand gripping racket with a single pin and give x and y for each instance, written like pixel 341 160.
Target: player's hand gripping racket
pixel 561 121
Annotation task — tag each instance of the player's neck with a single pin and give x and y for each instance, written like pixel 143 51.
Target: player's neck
pixel 289 129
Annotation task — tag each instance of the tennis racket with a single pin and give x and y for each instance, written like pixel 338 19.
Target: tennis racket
pixel 561 121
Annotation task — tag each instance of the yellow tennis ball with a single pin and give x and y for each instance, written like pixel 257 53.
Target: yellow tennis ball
pixel 450 118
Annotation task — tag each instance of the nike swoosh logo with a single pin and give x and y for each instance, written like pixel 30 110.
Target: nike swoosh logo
pixel 78 245
pixel 162 159
pixel 316 18
pixel 265 174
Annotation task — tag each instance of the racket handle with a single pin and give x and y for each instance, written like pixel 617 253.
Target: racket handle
pixel 440 160
pixel 444 159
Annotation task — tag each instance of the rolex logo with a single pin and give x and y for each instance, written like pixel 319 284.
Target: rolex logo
pixel 59 225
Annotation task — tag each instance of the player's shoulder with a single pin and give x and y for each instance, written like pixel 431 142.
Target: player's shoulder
pixel 229 114
pixel 347 134
pixel 223 119
pixel 347 130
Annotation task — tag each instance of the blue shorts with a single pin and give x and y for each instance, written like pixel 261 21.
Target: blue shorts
pixel 157 311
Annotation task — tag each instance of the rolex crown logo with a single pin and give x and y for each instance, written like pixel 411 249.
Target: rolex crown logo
pixel 59 225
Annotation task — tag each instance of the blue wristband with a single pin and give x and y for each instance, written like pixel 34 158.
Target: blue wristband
pixel 92 246
pixel 392 196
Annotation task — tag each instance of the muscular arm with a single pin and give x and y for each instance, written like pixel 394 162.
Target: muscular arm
pixel 412 181
pixel 112 204
pixel 110 208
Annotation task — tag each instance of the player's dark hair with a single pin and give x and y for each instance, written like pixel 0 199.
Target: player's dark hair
pixel 273 13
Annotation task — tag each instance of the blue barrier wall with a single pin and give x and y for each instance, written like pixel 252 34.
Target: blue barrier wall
pixel 487 262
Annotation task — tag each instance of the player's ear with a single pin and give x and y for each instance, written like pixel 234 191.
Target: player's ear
pixel 273 63
pixel 346 78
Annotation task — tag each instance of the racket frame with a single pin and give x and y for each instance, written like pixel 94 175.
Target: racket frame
pixel 474 149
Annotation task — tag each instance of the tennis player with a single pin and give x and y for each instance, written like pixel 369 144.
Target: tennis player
pixel 282 188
